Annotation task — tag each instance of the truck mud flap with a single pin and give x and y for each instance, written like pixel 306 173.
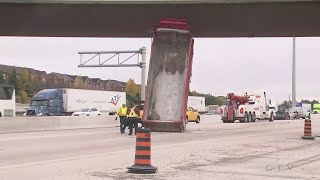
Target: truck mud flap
pixel 169 76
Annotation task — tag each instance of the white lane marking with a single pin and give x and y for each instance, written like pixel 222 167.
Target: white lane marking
pixel 131 150
pixel 104 140
pixel 210 140
pixel 64 159
pixel 53 136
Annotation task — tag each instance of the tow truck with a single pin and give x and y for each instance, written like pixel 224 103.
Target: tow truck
pixel 247 108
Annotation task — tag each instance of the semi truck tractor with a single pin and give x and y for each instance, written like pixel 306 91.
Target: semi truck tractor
pixel 316 108
pixel 59 102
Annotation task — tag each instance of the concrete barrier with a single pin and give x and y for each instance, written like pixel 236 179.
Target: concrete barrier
pixel 53 123
pixel 23 124
pixel 86 122
pixel 315 116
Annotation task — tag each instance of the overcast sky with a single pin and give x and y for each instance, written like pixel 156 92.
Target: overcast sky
pixel 220 65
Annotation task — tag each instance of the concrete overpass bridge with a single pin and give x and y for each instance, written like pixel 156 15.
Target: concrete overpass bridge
pixel 135 18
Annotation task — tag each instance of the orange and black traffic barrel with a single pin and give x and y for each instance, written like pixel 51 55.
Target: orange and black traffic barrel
pixel 142 163
pixel 307 130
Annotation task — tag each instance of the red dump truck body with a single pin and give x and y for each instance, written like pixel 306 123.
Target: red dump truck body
pixel 169 76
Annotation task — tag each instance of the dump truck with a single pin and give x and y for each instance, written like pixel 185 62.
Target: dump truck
pixel 169 76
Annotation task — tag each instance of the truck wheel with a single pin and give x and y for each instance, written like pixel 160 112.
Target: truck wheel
pixel 271 117
pixel 245 118
pixel 253 117
pixel 198 120
pixel 227 121
pixel 249 117
pixel 286 117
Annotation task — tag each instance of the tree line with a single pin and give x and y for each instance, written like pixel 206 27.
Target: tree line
pixel 133 92
pixel 210 99
pixel 25 87
pixel 288 104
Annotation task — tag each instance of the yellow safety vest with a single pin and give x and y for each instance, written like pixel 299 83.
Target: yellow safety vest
pixel 132 113
pixel 122 111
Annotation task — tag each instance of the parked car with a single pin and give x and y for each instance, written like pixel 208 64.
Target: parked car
pixel 281 115
pixel 193 115
pixel 87 112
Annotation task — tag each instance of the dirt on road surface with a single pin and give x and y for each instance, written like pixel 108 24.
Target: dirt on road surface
pixel 209 150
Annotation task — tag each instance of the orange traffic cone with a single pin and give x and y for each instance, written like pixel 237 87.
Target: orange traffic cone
pixel 142 163
pixel 307 130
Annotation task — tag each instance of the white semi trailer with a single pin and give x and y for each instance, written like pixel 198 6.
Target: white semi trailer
pixel 66 101
pixel 197 103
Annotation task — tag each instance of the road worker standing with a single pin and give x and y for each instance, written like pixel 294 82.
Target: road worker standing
pixel 133 119
pixel 122 114
pixel 140 107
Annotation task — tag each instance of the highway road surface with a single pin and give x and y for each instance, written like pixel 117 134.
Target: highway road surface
pixel 209 150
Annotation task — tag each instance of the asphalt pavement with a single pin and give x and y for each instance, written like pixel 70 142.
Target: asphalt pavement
pixel 208 150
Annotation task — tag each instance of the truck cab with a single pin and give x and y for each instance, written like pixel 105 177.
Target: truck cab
pixel 47 102
pixel 316 109
pixel 263 107
pixel 257 107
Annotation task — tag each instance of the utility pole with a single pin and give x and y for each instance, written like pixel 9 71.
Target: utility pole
pixel 289 99
pixel 294 72
pixel 143 72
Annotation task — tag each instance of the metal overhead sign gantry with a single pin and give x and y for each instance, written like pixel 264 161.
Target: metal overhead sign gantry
pixel 116 59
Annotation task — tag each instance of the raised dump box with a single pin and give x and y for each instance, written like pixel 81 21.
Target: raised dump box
pixel 169 76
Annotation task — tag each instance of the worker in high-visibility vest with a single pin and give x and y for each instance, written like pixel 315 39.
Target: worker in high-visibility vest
pixel 122 114
pixel 133 119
